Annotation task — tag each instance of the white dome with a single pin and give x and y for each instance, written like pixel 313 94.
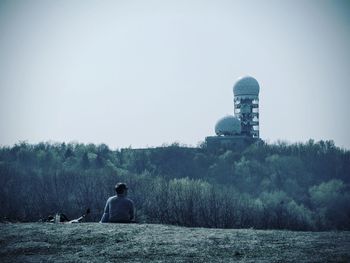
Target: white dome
pixel 228 125
pixel 246 86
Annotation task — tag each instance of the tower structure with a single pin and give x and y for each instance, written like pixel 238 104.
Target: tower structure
pixel 246 105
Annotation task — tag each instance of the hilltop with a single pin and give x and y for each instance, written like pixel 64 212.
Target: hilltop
pixel 92 242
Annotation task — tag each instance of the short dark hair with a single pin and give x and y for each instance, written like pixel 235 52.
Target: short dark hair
pixel 120 188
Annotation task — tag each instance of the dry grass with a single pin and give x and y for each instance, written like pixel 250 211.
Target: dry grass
pixel 93 242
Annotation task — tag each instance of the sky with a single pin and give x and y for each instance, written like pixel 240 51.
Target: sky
pixel 147 73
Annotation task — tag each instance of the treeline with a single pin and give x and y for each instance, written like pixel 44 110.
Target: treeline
pixel 280 186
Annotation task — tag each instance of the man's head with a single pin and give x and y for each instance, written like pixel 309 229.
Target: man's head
pixel 121 188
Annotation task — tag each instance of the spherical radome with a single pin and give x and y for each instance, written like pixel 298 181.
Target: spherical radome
pixel 246 86
pixel 228 125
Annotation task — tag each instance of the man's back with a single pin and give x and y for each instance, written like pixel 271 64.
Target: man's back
pixel 119 209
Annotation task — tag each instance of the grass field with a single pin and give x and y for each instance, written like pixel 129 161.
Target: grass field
pixel 93 242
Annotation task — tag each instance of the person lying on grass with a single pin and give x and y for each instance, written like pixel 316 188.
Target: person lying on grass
pixel 119 208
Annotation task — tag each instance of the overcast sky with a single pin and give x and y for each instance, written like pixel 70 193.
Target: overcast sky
pixel 143 73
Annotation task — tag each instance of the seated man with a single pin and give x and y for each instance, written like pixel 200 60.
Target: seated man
pixel 119 209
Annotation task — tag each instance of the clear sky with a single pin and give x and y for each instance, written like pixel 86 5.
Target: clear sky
pixel 143 73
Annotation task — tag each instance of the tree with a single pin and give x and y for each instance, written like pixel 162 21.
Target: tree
pixel 85 163
pixel 332 203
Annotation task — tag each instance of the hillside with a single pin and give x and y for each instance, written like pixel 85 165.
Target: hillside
pixel 264 186
pixel 91 242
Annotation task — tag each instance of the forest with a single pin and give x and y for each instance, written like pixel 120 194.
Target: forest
pixel 300 186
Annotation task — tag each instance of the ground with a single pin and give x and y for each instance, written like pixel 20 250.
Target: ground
pixel 94 242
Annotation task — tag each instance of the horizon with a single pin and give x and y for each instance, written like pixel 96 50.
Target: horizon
pixel 175 143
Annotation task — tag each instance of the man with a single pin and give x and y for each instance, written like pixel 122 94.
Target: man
pixel 119 209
